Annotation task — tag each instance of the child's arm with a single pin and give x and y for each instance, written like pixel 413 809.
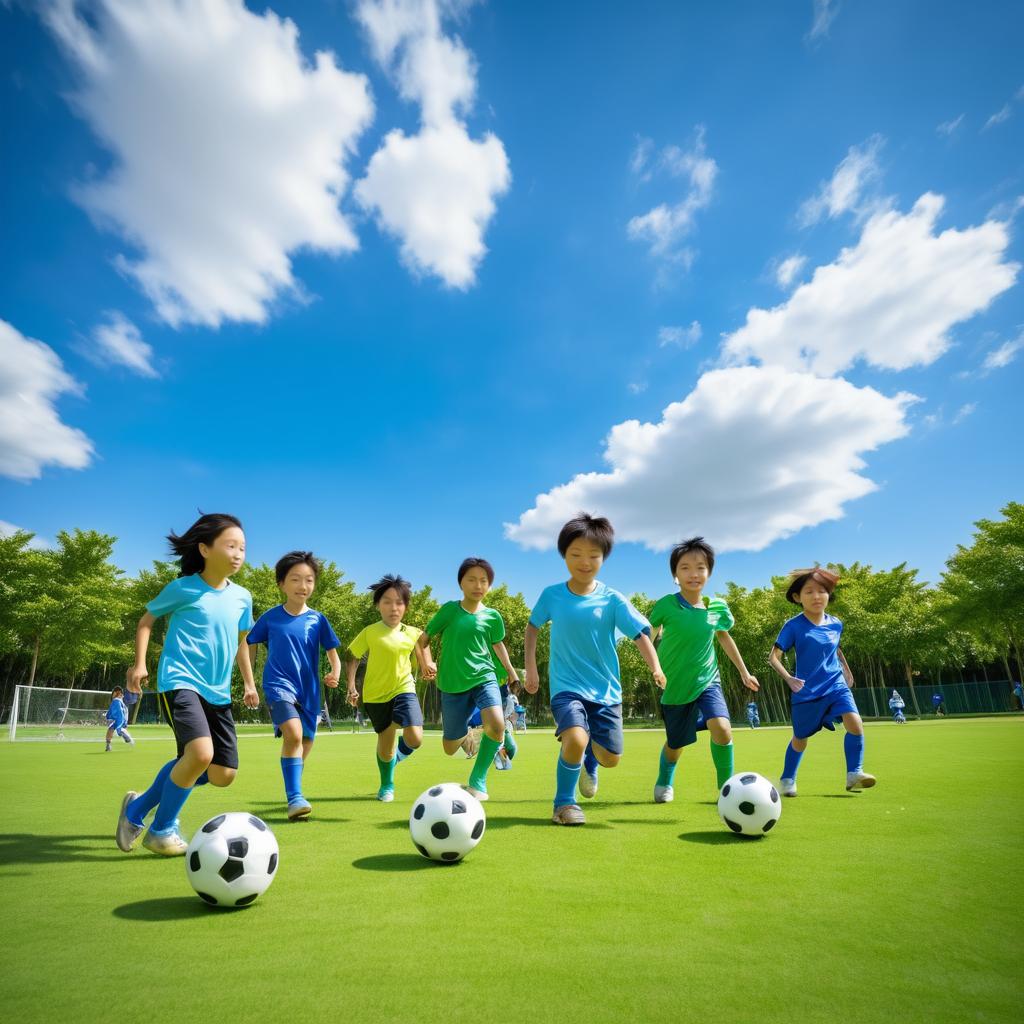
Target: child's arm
pixel 426 658
pixel 847 674
pixel 506 662
pixel 650 655
pixel 732 652
pixel 775 660
pixel 657 635
pixel 251 697
pixel 332 677
pixel 350 672
pixel 532 681
pixel 138 673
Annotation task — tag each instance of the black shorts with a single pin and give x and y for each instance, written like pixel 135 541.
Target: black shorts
pixel 191 718
pixel 403 709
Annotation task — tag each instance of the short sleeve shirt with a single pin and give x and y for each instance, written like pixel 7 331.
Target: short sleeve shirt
pixel 687 648
pixel 389 665
pixel 817 655
pixel 202 635
pixel 117 712
pixel 584 630
pixel 466 646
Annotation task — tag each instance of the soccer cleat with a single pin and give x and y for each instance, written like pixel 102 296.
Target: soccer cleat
pixel 127 834
pixel 856 781
pixel 588 785
pixel 170 844
pixel 128 740
pixel 386 794
pixel 569 814
pixel 299 808
pixel 787 787
pixel 480 794
pixel 664 794
pixel 108 748
pixel 501 763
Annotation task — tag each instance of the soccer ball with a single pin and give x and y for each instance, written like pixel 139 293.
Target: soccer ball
pixel 749 804
pixel 446 823
pixel 231 860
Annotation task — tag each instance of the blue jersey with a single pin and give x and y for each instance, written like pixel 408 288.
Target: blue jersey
pixel 937 699
pixel 117 713
pixel 583 634
pixel 817 655
pixel 202 636
pixel 292 670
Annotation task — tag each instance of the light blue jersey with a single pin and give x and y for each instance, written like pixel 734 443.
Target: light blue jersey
pixel 117 713
pixel 583 635
pixel 202 636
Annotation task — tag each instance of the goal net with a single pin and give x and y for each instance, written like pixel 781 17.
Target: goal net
pixel 47 713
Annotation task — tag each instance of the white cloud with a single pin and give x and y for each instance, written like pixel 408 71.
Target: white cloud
pixel 229 148
pixel 32 434
pixel 844 191
pixel 963 412
pixel 119 341
pixel 825 12
pixel 788 270
pixel 890 300
pixel 434 191
pixel 947 128
pixel 1003 355
pixel 37 543
pixel 681 337
pixel 1001 115
pixel 731 461
pixel 637 387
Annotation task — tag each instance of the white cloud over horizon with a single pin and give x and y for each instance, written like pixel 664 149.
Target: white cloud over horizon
pixel 680 337
pixel 1003 355
pixel 845 191
pixel 117 340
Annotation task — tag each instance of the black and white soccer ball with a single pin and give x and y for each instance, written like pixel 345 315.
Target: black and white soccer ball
pixel 446 823
pixel 749 804
pixel 231 860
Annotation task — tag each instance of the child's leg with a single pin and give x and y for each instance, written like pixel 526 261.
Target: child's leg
pixel 667 766
pixel 853 747
pixel 195 759
pixel 570 764
pixel 794 752
pixel 123 733
pixel 291 758
pixel 410 741
pixel 137 810
pixel 110 736
pixel 493 734
pixel 386 762
pixel 455 712
pixel 720 730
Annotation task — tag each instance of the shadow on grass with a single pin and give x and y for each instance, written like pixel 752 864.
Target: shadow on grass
pixel 642 821
pixel 495 824
pixel 396 862
pixel 715 838
pixel 25 848
pixel 171 908
pixel 281 819
pixel 835 796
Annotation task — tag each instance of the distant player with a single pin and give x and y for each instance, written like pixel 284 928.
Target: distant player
pixel 896 706
pixel 938 703
pixel 753 715
pixel 117 717
pixel 1018 692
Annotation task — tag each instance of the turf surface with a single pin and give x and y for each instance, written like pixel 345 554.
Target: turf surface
pixel 900 903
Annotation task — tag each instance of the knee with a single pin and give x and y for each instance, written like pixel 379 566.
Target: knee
pixel 495 732
pixel 221 776
pixel 607 759
pixel 722 735
pixel 414 741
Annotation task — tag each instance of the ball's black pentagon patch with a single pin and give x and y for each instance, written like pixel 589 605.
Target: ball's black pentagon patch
pixel 451 856
pixel 238 847
pixel 733 825
pixel 747 807
pixel 214 823
pixel 246 900
pixel 774 795
pixel 423 850
pixel 748 778
pixel 272 865
pixel 478 830
pixel 440 830
pixel 208 898
pixel 231 870
pixel 193 860
pixel 436 791
pixel 458 807
pixel 725 789
pixel 769 825
pixel 256 823
pixel 419 811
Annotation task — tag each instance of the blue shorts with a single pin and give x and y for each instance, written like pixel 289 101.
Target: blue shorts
pixel 282 710
pixel 403 710
pixel 602 721
pixel 457 707
pixel 811 716
pixel 683 720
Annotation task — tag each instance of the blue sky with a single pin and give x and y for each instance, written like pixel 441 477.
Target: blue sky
pixel 746 270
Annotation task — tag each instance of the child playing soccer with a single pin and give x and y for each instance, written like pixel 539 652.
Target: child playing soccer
pixel 896 706
pixel 586 693
pixel 753 715
pixel 389 688
pixel 294 634
pixel 470 632
pixel 688 624
pixel 117 717
pixel 209 617
pixel 821 686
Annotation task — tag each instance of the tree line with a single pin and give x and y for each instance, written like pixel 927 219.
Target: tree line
pixel 68 616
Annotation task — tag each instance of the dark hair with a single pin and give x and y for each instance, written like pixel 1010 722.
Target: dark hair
pixel 286 563
pixel 386 583
pixel 476 563
pixel 116 689
pixel 799 578
pixel 587 527
pixel 205 530
pixel 686 547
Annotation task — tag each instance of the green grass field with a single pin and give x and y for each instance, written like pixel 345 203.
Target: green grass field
pixel 899 903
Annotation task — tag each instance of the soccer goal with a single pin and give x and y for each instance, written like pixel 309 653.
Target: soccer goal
pixel 47 713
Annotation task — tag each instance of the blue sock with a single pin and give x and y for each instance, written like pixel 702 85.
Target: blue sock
pixel 566 777
pixel 854 748
pixel 171 803
pixel 404 750
pixel 202 780
pixel 666 770
pixel 291 769
pixel 145 802
pixel 590 761
pixel 792 762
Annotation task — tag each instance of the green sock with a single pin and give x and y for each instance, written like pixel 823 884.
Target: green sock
pixel 387 772
pixel 722 756
pixel 484 757
pixel 509 744
pixel 666 770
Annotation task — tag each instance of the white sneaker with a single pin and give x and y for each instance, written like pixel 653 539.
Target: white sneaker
pixel 664 794
pixel 859 780
pixel 787 787
pixel 480 794
pixel 588 785
pixel 169 845
pixel 127 834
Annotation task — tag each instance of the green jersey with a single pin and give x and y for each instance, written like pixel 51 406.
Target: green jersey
pixel 466 646
pixel 687 647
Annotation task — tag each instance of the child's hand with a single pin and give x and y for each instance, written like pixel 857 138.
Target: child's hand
pixel 796 685
pixel 331 680
pixel 251 698
pixel 659 680
pixel 137 676
pixel 750 682
pixel 353 697
pixel 532 682
pixel 430 670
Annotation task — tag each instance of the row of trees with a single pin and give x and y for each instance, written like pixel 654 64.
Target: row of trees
pixel 68 615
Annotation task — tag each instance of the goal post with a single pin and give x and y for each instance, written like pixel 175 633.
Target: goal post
pixel 50 713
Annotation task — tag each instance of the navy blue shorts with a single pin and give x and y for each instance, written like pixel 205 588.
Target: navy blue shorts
pixel 602 721
pixel 282 710
pixel 683 720
pixel 403 709
pixel 811 716
pixel 457 707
